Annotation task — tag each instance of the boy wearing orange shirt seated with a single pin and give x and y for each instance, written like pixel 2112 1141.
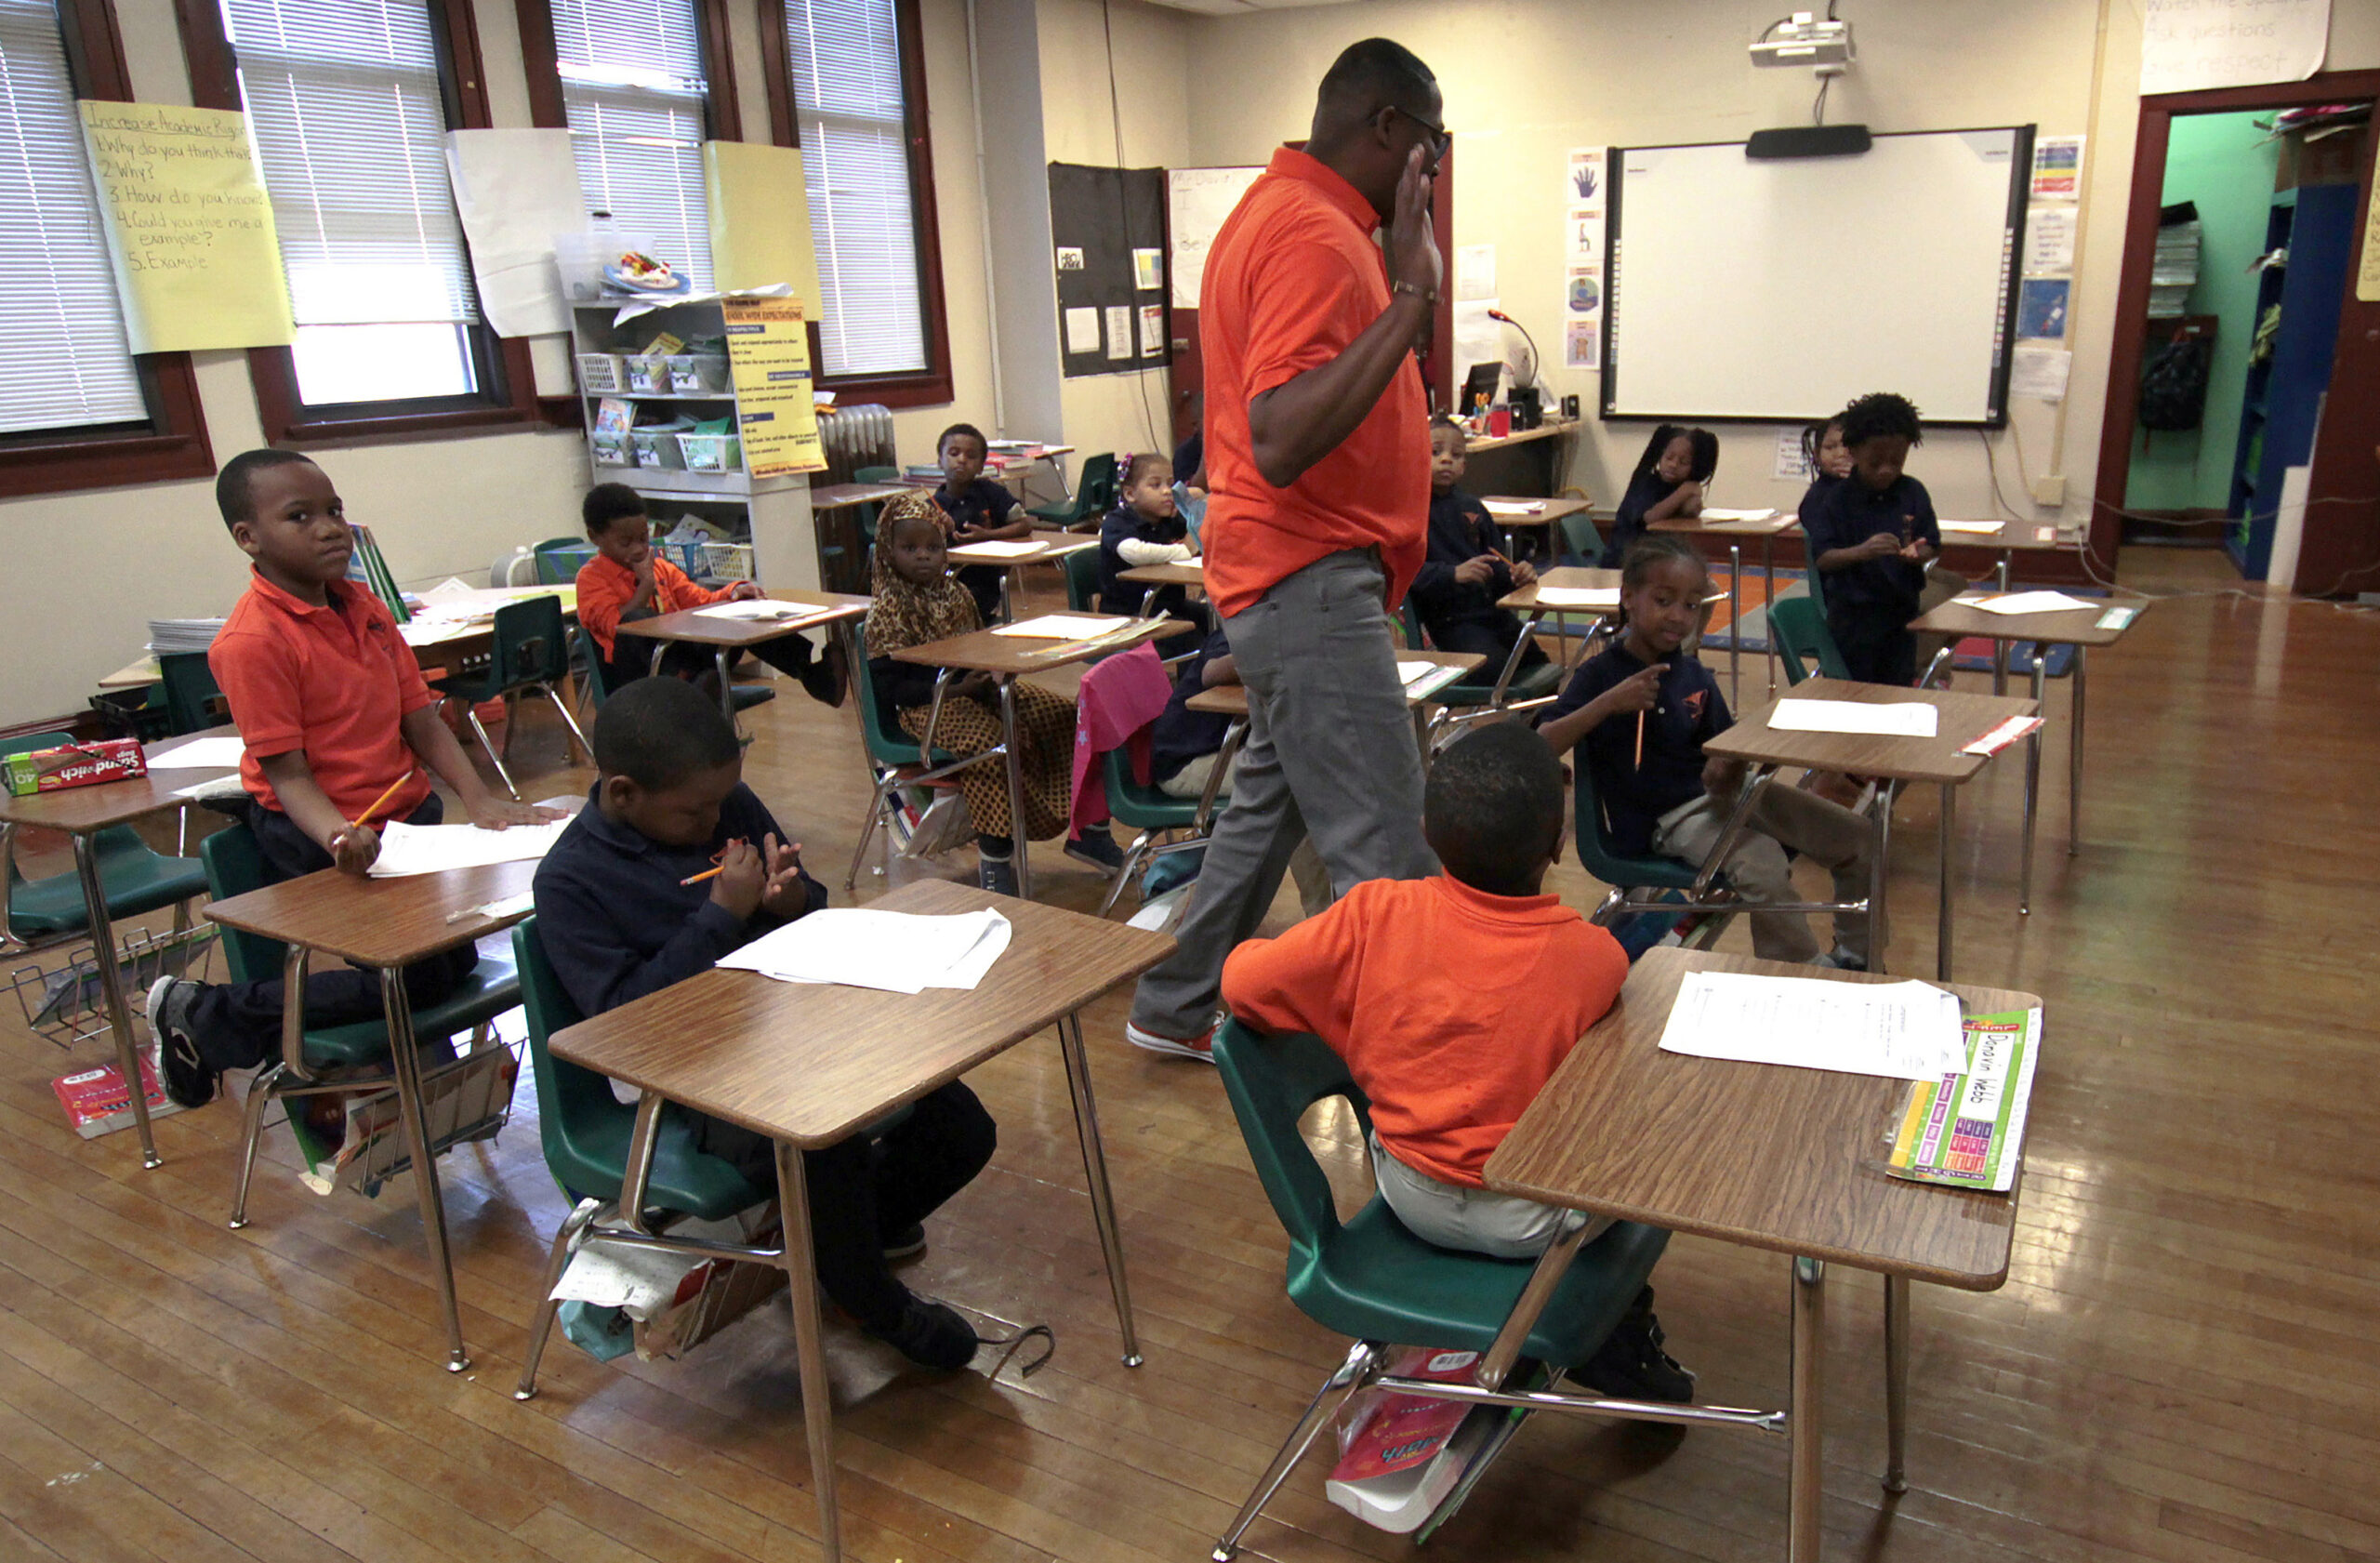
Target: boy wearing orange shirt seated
pixel 1453 1000
pixel 625 581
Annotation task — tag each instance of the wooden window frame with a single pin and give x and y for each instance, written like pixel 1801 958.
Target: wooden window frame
pixel 508 397
pixel 541 61
pixel 930 388
pixel 173 444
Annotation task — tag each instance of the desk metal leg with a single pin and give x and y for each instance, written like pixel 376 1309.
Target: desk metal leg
pixel 810 1346
pixel 1769 607
pixel 2000 648
pixel 2032 793
pixel 1942 916
pixel 1735 623
pixel 2074 763
pixel 1552 1265
pixel 404 1060
pixel 1879 928
pixel 1016 762
pixel 127 1052
pixel 658 647
pixel 1805 1489
pixel 1896 1382
pixel 1094 1166
pixel 726 690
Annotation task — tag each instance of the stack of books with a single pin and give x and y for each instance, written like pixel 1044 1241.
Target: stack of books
pixel 167 636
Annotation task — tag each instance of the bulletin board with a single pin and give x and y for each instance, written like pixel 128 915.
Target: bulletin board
pixel 1108 235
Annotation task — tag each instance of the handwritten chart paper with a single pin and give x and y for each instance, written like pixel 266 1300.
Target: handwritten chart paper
pixel 2189 45
pixel 189 227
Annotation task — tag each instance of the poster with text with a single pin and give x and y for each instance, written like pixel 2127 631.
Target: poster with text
pixel 189 228
pixel 768 357
pixel 2057 168
pixel 2190 46
pixel 1582 260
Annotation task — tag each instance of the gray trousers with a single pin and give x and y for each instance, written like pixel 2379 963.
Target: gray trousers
pixel 1329 754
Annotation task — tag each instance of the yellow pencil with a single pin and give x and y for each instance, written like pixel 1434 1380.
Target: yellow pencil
pixel 357 823
pixel 706 874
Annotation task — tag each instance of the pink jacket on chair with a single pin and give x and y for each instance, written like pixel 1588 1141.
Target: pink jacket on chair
pixel 1120 697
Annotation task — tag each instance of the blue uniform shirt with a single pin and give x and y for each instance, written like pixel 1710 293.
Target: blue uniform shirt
pixel 1848 514
pixel 1690 710
pixel 1460 530
pixel 617 923
pixel 981 503
pixel 1116 594
pixel 1647 490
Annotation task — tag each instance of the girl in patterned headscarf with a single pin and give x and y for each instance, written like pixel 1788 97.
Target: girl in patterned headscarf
pixel 917 602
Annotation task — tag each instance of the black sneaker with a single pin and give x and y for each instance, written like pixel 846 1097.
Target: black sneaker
pixel 1096 847
pixel 996 875
pixel 188 1081
pixel 910 1241
pixel 1631 1365
pixel 930 1335
pixel 828 678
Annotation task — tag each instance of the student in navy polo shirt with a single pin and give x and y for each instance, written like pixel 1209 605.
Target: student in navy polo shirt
pixel 1871 538
pixel 1662 795
pixel 1466 573
pixel 1668 482
pixel 976 509
pixel 617 921
pixel 1829 463
pixel 1144 528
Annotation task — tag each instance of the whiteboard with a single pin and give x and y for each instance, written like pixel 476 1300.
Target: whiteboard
pixel 1778 289
pixel 1197 202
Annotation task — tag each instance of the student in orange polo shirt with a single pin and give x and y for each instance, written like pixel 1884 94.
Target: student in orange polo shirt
pixel 1453 1000
pixel 333 709
pixel 625 581
pixel 1317 453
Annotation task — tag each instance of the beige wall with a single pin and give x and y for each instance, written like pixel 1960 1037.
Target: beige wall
pixel 1526 80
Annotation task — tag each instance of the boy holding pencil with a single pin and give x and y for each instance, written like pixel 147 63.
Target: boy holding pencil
pixel 338 728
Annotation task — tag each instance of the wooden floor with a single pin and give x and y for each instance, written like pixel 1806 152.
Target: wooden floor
pixel 2184 1364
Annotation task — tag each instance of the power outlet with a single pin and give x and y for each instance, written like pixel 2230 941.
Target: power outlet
pixel 2049 491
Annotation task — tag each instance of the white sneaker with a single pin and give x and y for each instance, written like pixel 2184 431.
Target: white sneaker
pixel 1199 1046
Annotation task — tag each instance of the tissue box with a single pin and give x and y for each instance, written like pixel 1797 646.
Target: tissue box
pixel 54 770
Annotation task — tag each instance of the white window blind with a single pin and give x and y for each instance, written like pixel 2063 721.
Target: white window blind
pixel 351 123
pixel 633 87
pixel 68 365
pixel 845 56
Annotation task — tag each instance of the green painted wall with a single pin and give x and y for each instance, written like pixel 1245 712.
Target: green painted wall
pixel 2214 160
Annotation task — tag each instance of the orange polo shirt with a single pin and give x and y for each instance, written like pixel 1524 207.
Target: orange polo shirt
pixel 1292 279
pixel 605 586
pixel 335 681
pixel 1451 1007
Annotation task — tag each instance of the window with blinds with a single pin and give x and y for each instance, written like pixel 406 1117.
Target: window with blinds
pixel 845 57
pixel 350 118
pixel 633 86
pixel 68 367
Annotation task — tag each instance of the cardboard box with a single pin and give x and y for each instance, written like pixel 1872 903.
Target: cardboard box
pixel 54 770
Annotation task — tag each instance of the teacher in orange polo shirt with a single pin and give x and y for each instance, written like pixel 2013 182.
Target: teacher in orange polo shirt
pixel 1318 512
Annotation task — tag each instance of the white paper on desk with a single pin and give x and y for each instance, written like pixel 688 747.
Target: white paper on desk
pixel 1064 627
pixel 1711 514
pixel 454 589
pixel 1598 597
pixel 759 610
pixel 1968 526
pixel 431 631
pixel 200 754
pixel 1007 548
pixel 1904 1031
pixel 894 952
pixel 1900 719
pixel 406 849
pixel 1513 507
pixel 2034 603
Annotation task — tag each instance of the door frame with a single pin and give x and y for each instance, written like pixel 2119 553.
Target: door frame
pixel 2345 556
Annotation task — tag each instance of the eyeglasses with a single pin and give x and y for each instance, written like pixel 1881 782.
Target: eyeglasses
pixel 1441 139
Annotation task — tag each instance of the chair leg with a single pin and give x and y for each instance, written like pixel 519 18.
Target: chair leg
pixel 867 832
pixel 259 1095
pixel 1363 1365
pixel 494 758
pixel 564 1235
pixel 568 720
pixel 1132 857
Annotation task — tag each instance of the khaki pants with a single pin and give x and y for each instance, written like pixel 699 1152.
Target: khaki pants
pixel 1757 869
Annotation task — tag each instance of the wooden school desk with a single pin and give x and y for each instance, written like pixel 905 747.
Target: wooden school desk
pixel 1961 718
pixel 81 812
pixel 2078 628
pixel 1567 577
pixel 844 496
pixel 1767 529
pixel 1231 700
pixel 1548 515
pixel 1049 548
pixel 1006 657
pixel 726 636
pixel 387 925
pixel 1189 572
pixel 2007 539
pixel 809 1066
pixel 1765 1156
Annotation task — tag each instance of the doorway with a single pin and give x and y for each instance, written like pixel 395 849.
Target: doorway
pixel 2236 301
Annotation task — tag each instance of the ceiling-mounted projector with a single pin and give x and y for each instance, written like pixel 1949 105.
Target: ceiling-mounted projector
pixel 1805 39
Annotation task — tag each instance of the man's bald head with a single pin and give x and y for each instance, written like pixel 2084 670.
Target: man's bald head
pixel 1377 102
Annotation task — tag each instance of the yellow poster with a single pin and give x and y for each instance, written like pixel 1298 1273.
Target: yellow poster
pixel 189 227
pixel 759 220
pixel 768 356
pixel 2367 275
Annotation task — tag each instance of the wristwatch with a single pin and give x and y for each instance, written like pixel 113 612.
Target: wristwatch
pixel 1427 295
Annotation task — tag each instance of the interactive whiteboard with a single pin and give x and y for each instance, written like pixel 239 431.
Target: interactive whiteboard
pixel 1778 289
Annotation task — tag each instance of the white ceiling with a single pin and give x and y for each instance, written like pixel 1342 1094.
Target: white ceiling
pixel 1242 7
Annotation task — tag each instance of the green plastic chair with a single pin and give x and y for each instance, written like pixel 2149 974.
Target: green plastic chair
pixel 1082 580
pixel 234 865
pixel 1093 497
pixel 1581 543
pixel 530 654
pixel 585 1132
pixel 1472 697
pixel 876 474
pixel 1799 624
pixel 135 876
pixel 193 700
pixel 1153 813
pixel 559 559
pixel 1371 1279
pixel 895 760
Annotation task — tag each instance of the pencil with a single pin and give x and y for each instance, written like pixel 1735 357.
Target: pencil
pixel 706 874
pixel 1640 740
pixel 357 823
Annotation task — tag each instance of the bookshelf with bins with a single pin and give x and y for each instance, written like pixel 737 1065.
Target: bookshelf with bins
pixel 686 472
